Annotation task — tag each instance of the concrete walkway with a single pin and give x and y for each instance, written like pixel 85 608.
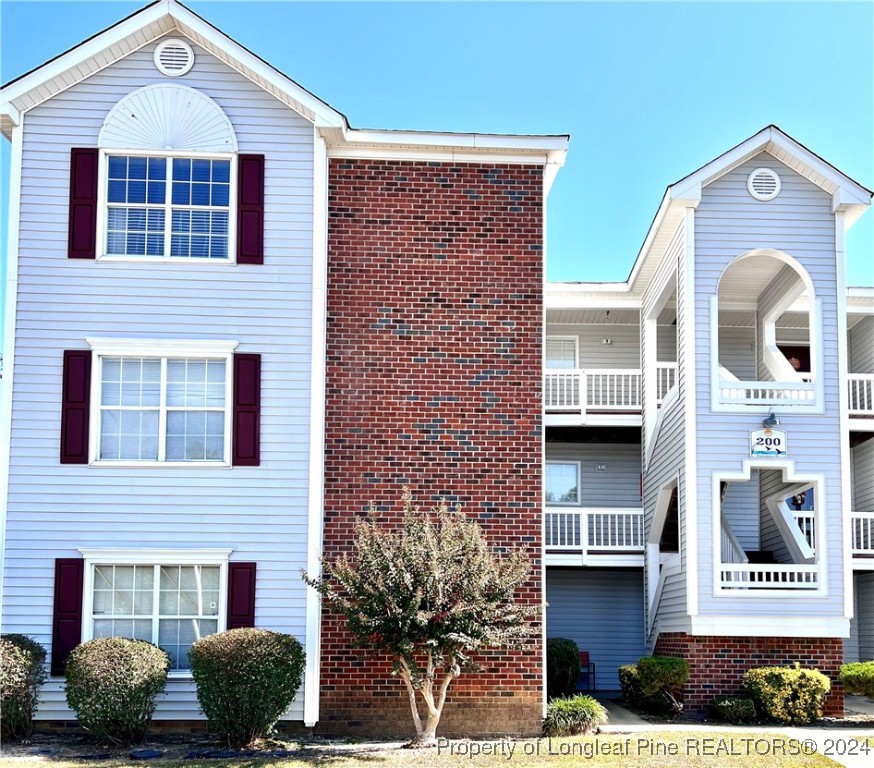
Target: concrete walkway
pixel 835 743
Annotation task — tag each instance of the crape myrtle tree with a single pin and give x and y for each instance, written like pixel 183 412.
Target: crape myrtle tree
pixel 430 594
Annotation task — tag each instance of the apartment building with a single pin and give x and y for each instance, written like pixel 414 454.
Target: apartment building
pixel 234 321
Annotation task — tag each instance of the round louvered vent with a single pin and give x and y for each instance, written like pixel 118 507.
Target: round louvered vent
pixel 763 184
pixel 174 57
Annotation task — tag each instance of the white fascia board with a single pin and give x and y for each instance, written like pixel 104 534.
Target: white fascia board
pixel 187 22
pixel 650 237
pixel 437 140
pixel 778 625
pixel 82 52
pixel 325 115
pixel 583 301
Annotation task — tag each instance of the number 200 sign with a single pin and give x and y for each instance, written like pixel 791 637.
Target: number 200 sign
pixel 768 443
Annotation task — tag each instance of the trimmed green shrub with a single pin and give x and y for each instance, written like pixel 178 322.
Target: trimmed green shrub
pixel 629 682
pixel 734 709
pixel 113 684
pixel 573 715
pixel 662 676
pixel 562 667
pixel 246 679
pixel 22 673
pixel 858 678
pixel 790 695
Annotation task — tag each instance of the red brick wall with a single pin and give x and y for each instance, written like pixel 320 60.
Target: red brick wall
pixel 717 664
pixel 434 381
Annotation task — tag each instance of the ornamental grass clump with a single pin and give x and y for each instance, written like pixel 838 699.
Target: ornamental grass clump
pixel 246 679
pixel 573 716
pixel 790 695
pixel 431 594
pixel 22 673
pixel 562 667
pixel 858 678
pixel 113 685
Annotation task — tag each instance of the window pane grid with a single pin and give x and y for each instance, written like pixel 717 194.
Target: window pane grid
pixel 562 483
pixel 193 220
pixel 185 415
pixel 164 595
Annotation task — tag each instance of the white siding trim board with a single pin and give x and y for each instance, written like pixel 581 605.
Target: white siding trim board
pixel 690 491
pixel 318 364
pixel 10 328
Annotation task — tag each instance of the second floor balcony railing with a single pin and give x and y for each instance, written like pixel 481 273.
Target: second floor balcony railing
pixel 591 531
pixel 861 394
pixel 602 390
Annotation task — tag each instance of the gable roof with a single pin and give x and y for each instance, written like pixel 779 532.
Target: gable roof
pixel 848 195
pixel 168 16
pixel 139 29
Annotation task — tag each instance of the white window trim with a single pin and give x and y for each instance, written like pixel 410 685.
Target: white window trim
pixel 123 556
pixel 103 204
pixel 206 349
pixel 579 468
pixel 812 480
pixel 567 337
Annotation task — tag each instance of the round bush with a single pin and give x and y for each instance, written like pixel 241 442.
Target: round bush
pixel 113 684
pixel 246 679
pixel 572 716
pixel 789 695
pixel 562 667
pixel 22 673
pixel 857 678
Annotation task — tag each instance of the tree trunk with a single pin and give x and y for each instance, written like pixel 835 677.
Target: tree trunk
pixel 427 737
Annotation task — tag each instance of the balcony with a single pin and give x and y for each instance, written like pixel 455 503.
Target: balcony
pixel 768 576
pixel 735 392
pixel 601 395
pixel 861 394
pixel 862 540
pixel 594 536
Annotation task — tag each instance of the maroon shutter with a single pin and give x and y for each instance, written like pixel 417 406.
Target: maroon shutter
pixel 67 619
pixel 82 225
pixel 241 595
pixel 247 411
pixel 250 209
pixel 75 399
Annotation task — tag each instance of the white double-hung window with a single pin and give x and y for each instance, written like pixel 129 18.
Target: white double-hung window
pixel 562 482
pixel 168 207
pixel 171 599
pixel 161 401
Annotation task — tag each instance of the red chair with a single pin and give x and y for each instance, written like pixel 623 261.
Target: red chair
pixel 587 673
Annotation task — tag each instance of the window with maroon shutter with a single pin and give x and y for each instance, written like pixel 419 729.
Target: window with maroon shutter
pixel 250 209
pixel 82 224
pixel 241 595
pixel 75 400
pixel 247 411
pixel 67 618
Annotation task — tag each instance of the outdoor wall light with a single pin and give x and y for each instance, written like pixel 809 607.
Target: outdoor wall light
pixel 770 421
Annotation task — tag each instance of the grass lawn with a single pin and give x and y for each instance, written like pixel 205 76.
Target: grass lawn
pixel 662 749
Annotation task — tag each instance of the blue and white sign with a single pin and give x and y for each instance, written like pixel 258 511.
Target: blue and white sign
pixel 768 443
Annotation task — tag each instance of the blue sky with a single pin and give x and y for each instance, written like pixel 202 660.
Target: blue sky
pixel 648 91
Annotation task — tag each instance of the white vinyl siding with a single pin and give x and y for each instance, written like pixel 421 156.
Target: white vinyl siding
pixel 800 223
pixel 861 351
pixel 609 473
pixel 261 513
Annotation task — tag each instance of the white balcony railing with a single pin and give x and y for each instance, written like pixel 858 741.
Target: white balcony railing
pixel 766 392
pixel 594 530
pixel 806 522
pixel 602 389
pixel 862 533
pixel 768 576
pixel 861 394
pixel 666 380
